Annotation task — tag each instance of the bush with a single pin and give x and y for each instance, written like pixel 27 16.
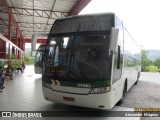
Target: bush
pixel 29 60
pixel 2 63
pixel 153 69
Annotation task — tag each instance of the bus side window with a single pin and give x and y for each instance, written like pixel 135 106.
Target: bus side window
pixel 117 70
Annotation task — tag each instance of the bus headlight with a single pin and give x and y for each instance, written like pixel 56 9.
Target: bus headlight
pixel 100 90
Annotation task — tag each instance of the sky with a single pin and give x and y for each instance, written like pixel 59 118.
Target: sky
pixel 140 17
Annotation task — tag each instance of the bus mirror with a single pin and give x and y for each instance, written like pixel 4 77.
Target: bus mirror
pixel 114 39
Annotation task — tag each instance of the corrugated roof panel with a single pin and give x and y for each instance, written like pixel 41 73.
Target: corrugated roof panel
pixel 29 19
pixel 51 21
pixel 37 15
pixel 20 3
pixel 38 4
pixel 64 5
pixel 48 27
pixel 40 20
pixel 35 29
pixel 4 16
pixel 43 4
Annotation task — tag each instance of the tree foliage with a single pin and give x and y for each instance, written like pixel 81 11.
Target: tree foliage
pixel 157 62
pixel 148 65
pixel 152 68
pixel 29 60
pixel 145 62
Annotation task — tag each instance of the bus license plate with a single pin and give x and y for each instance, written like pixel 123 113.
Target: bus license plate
pixel 68 99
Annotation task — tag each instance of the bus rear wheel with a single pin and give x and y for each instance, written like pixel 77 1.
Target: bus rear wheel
pixel 137 79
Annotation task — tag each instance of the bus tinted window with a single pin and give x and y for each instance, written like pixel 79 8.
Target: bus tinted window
pixel 81 57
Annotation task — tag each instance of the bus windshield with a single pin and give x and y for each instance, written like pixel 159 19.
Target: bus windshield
pixel 78 57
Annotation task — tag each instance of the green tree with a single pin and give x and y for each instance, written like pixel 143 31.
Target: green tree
pixel 145 62
pixel 157 62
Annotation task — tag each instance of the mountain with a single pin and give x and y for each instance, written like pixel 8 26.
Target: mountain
pixel 153 54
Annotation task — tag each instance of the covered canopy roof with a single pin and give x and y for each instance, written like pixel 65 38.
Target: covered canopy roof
pixel 34 16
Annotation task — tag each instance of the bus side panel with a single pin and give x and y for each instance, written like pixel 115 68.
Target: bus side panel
pixel 117 91
pixel 130 76
pixel 117 70
pixel 131 70
pixel 131 59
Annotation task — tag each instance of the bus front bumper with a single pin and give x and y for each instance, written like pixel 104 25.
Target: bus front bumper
pixel 97 101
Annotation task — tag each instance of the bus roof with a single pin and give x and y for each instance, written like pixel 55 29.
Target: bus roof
pixel 84 23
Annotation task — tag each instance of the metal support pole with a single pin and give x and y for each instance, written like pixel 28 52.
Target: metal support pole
pixel 9 37
pixel 20 45
pixel 23 49
pixel 17 42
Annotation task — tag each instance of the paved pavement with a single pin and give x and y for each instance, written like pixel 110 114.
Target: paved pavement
pixel 145 94
pixel 150 77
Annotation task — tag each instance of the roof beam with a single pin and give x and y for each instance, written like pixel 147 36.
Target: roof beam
pixel 80 4
pixel 25 24
pixel 34 12
pixel 17 20
pixel 10 13
pixel 3 22
pixel 50 13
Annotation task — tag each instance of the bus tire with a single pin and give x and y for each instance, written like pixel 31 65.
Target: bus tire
pixel 137 78
pixel 136 82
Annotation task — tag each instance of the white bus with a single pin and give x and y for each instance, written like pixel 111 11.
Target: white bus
pixel 89 61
